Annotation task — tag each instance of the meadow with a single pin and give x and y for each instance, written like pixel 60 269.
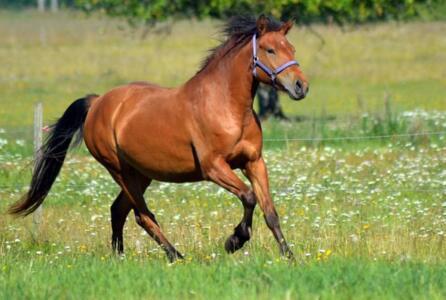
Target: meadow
pixel 358 178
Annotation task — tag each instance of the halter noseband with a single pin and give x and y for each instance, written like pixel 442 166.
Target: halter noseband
pixel 272 74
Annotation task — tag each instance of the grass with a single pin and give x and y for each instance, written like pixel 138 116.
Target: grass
pixel 71 278
pixel 365 218
pixel 58 58
pixel 384 203
pixel 363 224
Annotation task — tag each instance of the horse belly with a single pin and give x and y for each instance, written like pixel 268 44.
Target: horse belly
pixel 159 154
pixel 165 165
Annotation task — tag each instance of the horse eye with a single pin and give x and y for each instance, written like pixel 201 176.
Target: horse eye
pixel 270 51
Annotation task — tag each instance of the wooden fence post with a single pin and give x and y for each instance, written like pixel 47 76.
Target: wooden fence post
pixel 38 126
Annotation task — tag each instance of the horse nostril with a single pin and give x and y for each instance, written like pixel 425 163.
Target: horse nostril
pixel 299 87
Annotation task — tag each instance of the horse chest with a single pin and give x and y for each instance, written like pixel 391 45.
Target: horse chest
pixel 245 148
pixel 222 130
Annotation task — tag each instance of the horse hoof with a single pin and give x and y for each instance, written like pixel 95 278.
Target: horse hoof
pixel 287 253
pixel 233 243
pixel 173 256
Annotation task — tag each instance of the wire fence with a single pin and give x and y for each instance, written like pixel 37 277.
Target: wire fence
pixel 309 139
pixel 305 190
pixel 17 187
pixel 371 137
pixel 38 138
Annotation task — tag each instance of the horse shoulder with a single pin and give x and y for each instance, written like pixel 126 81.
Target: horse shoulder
pixel 249 148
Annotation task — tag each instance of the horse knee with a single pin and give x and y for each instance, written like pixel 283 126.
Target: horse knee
pixel 249 199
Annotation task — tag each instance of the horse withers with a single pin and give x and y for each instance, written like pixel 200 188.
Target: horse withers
pixel 201 130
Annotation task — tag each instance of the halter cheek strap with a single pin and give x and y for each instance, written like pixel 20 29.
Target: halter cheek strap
pixel 272 74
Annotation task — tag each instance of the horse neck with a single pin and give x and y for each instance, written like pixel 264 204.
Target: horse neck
pixel 241 83
pixel 231 78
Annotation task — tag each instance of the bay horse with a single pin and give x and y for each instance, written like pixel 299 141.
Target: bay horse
pixel 202 130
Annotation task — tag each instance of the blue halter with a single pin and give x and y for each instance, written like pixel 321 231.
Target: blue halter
pixel 272 74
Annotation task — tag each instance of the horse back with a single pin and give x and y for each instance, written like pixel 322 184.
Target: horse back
pixel 145 125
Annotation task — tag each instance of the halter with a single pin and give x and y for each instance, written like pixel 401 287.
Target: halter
pixel 272 74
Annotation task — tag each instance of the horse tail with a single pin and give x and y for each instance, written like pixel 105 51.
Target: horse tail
pixel 52 155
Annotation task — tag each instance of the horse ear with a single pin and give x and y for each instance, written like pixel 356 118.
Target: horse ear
pixel 262 24
pixel 286 27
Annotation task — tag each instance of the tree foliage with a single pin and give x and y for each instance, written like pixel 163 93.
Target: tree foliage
pixel 303 11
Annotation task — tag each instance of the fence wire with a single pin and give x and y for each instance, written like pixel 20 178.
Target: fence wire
pixel 22 187
pixel 306 139
pixel 370 137
pixel 305 190
pixel 310 139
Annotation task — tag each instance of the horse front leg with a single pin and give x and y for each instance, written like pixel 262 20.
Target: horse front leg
pixel 242 232
pixel 258 176
pixel 218 171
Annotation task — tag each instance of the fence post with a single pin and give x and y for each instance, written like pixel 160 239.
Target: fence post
pixel 38 126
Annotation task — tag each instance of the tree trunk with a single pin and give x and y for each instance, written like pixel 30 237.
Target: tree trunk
pixel 54 5
pixel 269 105
pixel 41 5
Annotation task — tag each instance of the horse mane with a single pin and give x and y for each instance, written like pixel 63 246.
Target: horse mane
pixel 236 32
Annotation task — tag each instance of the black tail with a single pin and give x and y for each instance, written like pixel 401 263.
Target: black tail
pixel 52 155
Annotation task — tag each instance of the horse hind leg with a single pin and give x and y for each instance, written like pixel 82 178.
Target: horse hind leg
pixel 145 218
pixel 119 211
pixel 147 221
pixel 134 192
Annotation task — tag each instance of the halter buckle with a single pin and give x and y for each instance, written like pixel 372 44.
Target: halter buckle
pixel 273 77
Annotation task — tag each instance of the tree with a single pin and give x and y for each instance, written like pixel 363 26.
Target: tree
pixel 41 5
pixel 303 11
pixel 54 5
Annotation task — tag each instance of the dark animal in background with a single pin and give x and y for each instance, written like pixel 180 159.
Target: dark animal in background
pixel 269 104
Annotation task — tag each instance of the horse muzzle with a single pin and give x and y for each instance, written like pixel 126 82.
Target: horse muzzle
pixel 301 89
pixel 298 90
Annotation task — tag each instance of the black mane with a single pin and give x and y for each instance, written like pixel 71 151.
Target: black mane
pixel 237 32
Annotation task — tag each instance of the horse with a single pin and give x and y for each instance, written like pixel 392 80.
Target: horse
pixel 201 130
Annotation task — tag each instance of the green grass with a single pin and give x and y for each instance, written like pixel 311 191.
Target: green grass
pixel 363 224
pixel 365 218
pixel 382 203
pixel 253 278
pixel 58 58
